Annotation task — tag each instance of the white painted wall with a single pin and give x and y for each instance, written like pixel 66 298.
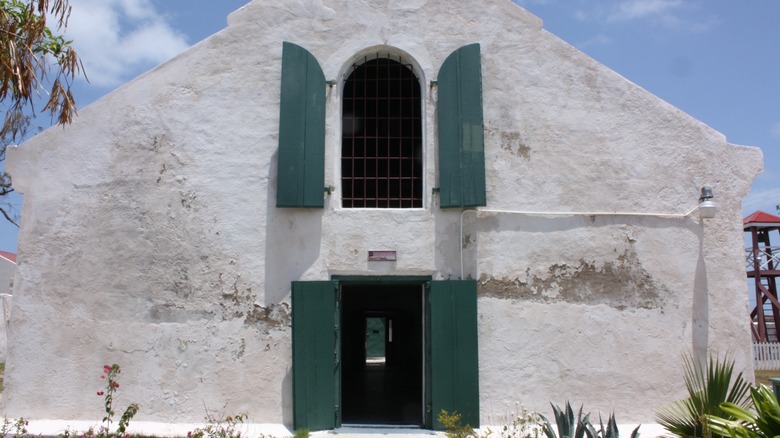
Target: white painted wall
pixel 150 237
pixel 5 316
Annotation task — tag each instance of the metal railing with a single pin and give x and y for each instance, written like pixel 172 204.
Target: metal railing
pixel 766 254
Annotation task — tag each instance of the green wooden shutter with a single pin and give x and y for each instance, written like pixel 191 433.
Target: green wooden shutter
pixel 454 360
pixel 461 140
pixel 301 159
pixel 316 373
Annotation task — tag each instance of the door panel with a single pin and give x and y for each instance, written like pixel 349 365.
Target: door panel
pixel 316 373
pixel 454 363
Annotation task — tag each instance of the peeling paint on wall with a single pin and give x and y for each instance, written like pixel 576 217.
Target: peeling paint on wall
pixel 622 284
pixel 240 302
pixel 273 317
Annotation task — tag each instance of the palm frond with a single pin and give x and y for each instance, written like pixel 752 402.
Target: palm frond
pixel 708 384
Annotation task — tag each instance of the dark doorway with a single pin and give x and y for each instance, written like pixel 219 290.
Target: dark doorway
pixel 382 353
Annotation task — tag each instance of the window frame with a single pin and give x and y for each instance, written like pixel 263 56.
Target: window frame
pixel 427 109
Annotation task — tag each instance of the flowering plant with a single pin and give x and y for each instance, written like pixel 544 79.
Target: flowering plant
pixel 14 428
pixel 110 374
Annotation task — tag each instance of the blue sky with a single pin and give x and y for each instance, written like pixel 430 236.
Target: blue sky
pixel 718 60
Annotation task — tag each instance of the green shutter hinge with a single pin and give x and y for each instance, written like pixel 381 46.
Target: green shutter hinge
pixel 330 189
pixel 436 190
pixel 331 83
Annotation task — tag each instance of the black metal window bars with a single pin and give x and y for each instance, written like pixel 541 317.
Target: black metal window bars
pixel 381 147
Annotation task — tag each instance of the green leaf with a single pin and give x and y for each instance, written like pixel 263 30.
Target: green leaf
pixel 709 384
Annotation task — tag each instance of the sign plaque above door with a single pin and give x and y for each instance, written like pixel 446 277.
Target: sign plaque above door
pixel 381 256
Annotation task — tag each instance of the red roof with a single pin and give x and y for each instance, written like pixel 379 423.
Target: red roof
pixel 761 219
pixel 12 257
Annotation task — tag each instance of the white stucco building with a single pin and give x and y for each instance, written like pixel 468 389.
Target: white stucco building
pixel 497 216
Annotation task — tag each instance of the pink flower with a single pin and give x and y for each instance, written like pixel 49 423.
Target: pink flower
pixel 127 435
pixel 103 377
pixel 100 393
pixel 106 369
pixel 115 384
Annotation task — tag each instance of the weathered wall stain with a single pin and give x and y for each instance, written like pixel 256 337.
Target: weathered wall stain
pixel 622 284
pixel 467 241
pixel 273 317
pixel 512 142
pixel 240 302
pixel 524 151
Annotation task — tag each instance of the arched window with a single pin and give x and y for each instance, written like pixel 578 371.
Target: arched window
pixel 381 147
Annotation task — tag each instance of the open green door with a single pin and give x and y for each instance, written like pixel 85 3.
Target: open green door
pixel 454 362
pixel 315 345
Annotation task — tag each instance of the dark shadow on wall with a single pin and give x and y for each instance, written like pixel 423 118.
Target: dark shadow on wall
pixel 700 310
pixel 287 402
pixel 292 242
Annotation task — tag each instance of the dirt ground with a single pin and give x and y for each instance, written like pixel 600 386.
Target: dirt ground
pixel 762 376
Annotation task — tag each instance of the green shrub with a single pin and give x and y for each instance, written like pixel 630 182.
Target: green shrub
pixel 764 423
pixel 708 386
pixel 452 426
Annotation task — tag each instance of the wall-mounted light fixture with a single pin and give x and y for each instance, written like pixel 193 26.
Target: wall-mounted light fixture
pixel 707 208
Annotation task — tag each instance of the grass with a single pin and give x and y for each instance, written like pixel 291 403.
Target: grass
pixel 762 376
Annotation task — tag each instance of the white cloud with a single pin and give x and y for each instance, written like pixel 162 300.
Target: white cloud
pixel 672 14
pixel 598 40
pixel 527 2
pixel 639 9
pixel 118 39
pixel 687 15
pixel 761 199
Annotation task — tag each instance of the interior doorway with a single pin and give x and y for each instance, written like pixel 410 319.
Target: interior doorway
pixel 382 351
pixel 346 371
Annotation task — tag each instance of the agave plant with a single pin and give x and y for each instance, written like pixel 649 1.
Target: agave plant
pixel 708 386
pixel 567 427
pixel 764 423
pixel 611 431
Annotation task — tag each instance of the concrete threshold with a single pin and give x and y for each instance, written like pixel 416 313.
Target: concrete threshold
pixel 53 428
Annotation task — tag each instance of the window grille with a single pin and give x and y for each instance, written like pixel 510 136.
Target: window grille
pixel 381 148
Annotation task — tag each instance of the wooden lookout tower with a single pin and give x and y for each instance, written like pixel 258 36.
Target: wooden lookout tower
pixel 763 266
